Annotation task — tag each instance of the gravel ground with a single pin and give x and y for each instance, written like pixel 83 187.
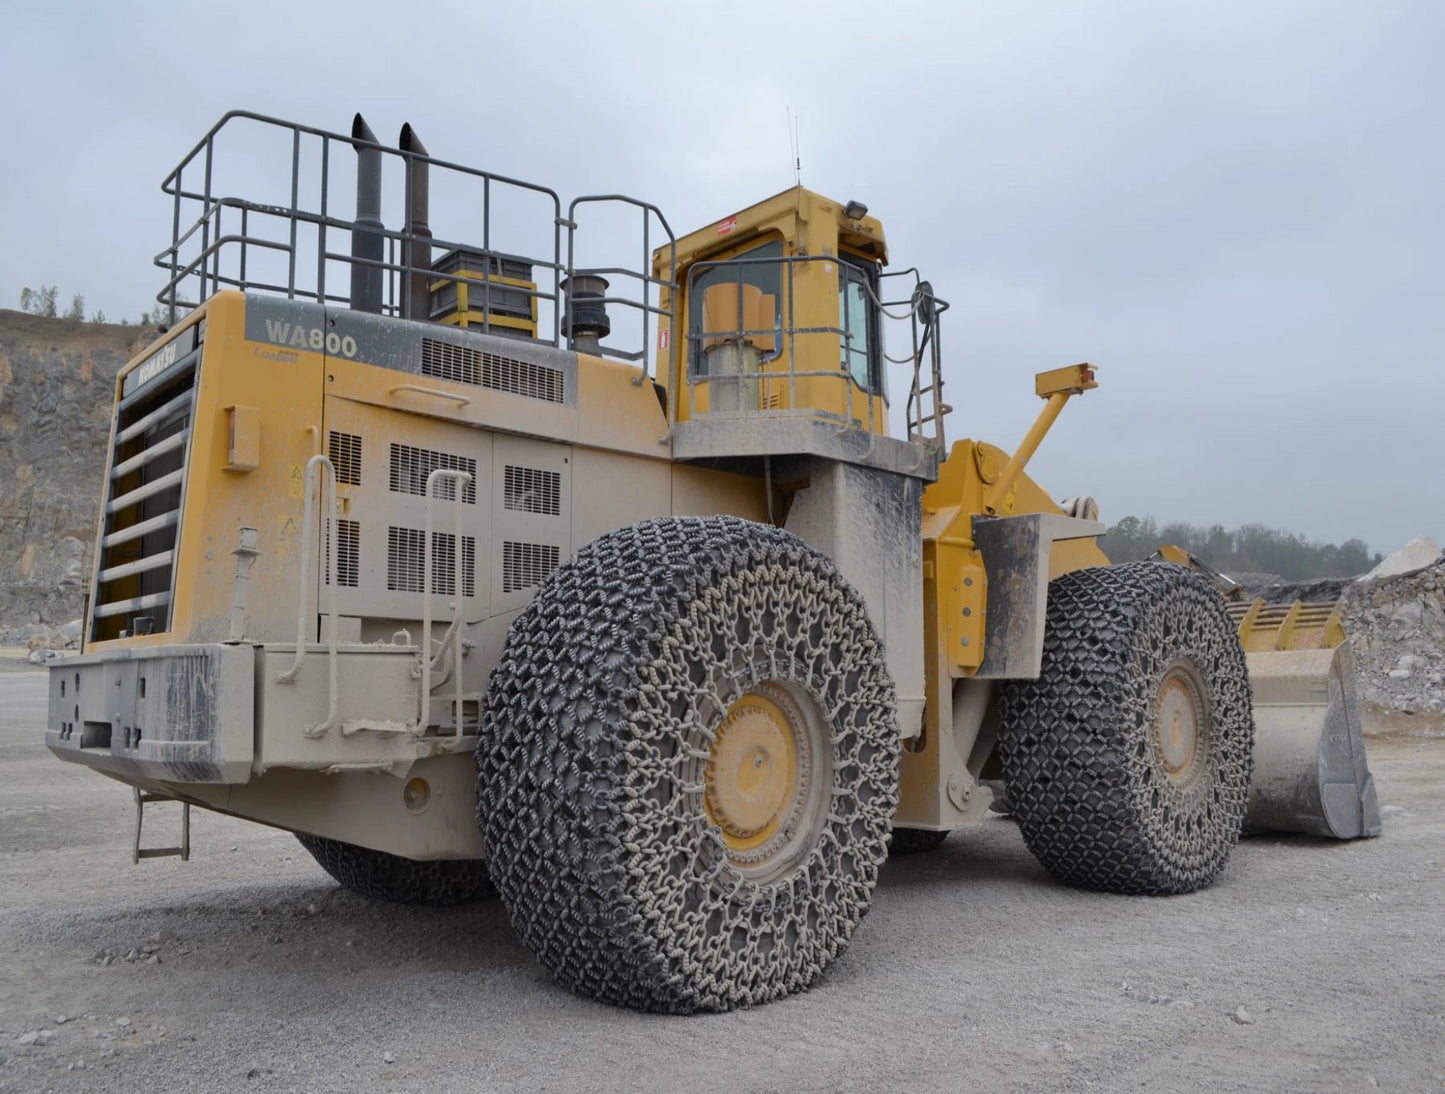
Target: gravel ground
pixel 1310 966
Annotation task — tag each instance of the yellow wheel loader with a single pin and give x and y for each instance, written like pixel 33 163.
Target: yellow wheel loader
pixel 605 587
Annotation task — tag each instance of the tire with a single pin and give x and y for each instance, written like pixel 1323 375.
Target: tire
pixel 383 876
pixel 629 706
pixel 911 841
pixel 1128 760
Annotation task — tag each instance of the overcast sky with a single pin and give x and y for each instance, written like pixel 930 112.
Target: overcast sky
pixel 1233 209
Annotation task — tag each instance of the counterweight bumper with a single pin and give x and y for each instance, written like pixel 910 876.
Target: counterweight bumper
pixel 178 714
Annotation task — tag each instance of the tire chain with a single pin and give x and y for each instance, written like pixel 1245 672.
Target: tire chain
pixel 384 876
pixel 595 736
pixel 1077 745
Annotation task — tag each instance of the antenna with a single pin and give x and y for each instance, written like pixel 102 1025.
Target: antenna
pixel 798 150
pixel 795 152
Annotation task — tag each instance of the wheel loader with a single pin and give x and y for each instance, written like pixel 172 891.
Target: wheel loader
pixel 603 587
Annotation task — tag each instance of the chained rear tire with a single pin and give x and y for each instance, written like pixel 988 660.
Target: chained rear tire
pixel 382 876
pixel 1128 760
pixel 687 765
pixel 911 841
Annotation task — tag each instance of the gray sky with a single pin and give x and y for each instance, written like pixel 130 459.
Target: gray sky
pixel 1233 209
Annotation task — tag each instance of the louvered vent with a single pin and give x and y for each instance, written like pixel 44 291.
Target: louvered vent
pixel 348 553
pixel 522 378
pixel 143 504
pixel 460 364
pixel 410 468
pixel 530 490
pixel 405 565
pixel 480 368
pixel 345 453
pixel 525 564
pixel 404 559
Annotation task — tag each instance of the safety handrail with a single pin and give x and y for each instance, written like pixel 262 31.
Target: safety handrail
pixel 645 275
pixel 314 212
pixel 317 467
pixel 924 313
pixel 246 239
pixel 453 635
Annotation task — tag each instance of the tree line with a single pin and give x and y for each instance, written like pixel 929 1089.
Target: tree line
pixel 44 301
pixel 1252 548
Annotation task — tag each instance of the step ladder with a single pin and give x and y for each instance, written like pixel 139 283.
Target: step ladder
pixel 144 798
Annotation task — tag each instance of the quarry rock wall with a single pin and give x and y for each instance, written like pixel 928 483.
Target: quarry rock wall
pixel 57 384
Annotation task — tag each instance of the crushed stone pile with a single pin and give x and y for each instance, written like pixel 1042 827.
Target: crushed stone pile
pixel 1396 621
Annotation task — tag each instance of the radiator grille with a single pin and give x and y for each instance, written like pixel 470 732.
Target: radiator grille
pixel 481 368
pixel 143 504
pixel 345 453
pixel 348 554
pixel 525 564
pixel 405 565
pixel 531 490
pixel 410 468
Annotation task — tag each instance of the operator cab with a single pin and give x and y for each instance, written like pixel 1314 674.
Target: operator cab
pixel 780 309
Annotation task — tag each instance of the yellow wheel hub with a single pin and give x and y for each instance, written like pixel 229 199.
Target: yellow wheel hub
pixel 752 779
pixel 1179 722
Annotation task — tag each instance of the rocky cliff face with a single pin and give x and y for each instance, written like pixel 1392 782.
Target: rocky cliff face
pixel 57 383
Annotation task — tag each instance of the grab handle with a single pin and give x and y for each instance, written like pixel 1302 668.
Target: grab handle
pixel 460 399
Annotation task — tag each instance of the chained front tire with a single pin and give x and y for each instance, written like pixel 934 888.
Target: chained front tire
pixel 382 876
pixel 687 765
pixel 1128 760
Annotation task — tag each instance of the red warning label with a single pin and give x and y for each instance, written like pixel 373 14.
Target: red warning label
pixel 727 226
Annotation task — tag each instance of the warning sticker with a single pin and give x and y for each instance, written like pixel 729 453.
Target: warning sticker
pixel 727 225
pixel 664 338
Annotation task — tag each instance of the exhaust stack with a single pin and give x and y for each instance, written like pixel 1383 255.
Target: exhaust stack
pixel 416 248
pixel 367 237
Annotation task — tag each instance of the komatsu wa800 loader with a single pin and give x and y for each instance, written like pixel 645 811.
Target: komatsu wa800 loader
pixel 604 588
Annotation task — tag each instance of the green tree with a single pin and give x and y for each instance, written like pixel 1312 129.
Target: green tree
pixel 76 310
pixel 1253 548
pixel 39 301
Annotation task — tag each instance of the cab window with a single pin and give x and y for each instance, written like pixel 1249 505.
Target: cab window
pixel 767 276
pixel 861 349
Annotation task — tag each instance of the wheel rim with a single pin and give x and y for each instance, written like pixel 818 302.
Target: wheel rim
pixel 760 779
pixel 1181 723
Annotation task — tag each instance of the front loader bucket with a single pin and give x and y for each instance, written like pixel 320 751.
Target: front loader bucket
pixel 1310 773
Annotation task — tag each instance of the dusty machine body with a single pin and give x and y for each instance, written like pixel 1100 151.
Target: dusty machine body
pixel 337 486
